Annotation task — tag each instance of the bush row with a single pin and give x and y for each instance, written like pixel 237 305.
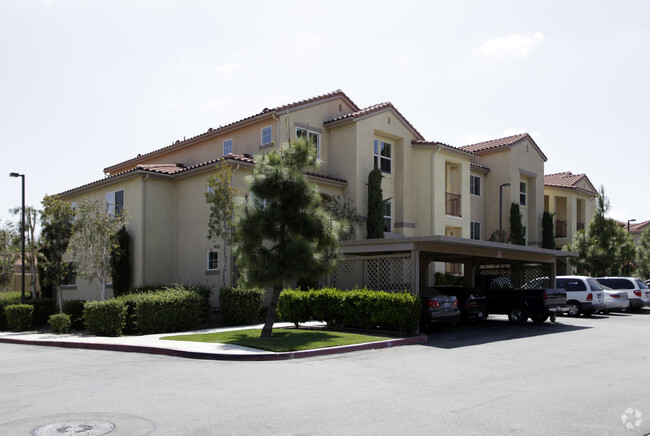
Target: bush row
pixel 42 308
pixel 166 310
pixel 7 299
pixel 357 308
pixel 240 306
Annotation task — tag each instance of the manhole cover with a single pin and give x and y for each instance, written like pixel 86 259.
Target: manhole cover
pixel 76 428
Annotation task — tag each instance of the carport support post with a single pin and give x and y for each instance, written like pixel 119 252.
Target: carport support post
pixel 415 276
pixel 469 279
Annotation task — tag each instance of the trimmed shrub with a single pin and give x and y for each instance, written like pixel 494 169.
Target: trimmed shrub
pixel 130 302
pixel 105 318
pixel 170 310
pixel 60 322
pixel 7 299
pixel 203 291
pixel 75 308
pixel 357 308
pixel 240 306
pixel 19 317
pixel 43 308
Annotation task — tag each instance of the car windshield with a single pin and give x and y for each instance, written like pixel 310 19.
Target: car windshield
pixel 617 283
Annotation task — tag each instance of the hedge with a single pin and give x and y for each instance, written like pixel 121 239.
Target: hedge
pixel 357 308
pixel 43 308
pixel 19 317
pixel 7 299
pixel 240 306
pixel 60 323
pixel 169 310
pixel 105 318
pixel 75 308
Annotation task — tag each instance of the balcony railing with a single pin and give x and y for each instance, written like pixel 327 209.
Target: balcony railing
pixel 560 229
pixel 452 204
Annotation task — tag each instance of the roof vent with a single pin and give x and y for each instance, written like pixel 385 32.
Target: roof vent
pixel 139 167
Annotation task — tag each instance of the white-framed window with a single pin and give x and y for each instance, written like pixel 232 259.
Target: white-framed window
pixel 267 135
pixel 227 147
pixel 310 135
pixel 474 230
pixel 115 203
pixel 474 185
pixel 213 260
pixel 522 193
pixel 383 155
pixel 388 216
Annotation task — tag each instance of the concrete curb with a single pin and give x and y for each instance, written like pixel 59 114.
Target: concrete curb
pixel 419 339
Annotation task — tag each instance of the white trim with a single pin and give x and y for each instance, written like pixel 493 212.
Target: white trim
pixel 207 266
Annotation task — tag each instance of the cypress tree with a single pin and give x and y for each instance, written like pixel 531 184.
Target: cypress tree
pixel 548 239
pixel 516 227
pixel 375 220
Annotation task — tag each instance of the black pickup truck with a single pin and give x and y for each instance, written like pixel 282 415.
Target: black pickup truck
pixel 521 304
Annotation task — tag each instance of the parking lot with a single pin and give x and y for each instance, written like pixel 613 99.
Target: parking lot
pixel 584 376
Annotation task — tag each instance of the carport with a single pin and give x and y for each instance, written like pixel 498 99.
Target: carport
pixel 395 264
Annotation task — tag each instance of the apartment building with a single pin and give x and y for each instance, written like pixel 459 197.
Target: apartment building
pixel 434 188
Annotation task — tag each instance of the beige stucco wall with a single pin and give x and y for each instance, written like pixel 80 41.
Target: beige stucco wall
pixel 564 203
pixel 512 165
pixel 477 204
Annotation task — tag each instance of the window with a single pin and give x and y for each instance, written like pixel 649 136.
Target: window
pixel 227 147
pixel 213 260
pixel 115 203
pixel 522 193
pixel 266 135
pixel 475 185
pixel 382 154
pixel 69 274
pixel 388 217
pixel 474 230
pixel 311 136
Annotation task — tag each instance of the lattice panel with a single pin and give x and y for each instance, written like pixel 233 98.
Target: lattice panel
pixel 391 274
pixel 519 275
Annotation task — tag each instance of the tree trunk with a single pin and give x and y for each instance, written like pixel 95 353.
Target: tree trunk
pixel 270 315
pixel 32 268
pixel 59 298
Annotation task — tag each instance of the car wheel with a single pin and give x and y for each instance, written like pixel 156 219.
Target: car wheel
pixel 574 308
pixel 518 315
pixel 539 318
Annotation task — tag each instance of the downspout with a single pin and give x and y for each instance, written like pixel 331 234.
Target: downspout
pixel 142 231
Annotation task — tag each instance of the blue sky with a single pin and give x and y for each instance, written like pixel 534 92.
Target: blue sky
pixel 87 84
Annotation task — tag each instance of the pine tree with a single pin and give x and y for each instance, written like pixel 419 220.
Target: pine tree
pixel 283 233
pixel 643 255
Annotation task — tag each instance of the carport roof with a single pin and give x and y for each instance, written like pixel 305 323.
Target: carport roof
pixel 455 250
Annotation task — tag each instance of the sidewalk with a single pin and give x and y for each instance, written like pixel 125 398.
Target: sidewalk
pixel 152 344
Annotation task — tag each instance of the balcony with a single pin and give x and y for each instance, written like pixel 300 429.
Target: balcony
pixel 560 229
pixel 452 204
pixel 580 226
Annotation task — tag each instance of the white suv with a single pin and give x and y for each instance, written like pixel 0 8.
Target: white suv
pixel 584 295
pixel 637 291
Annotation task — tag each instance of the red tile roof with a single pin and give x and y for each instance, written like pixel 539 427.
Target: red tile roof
pixel 266 113
pixel 634 226
pixel 380 107
pixel 497 144
pixel 174 169
pixel 569 180
pixel 440 144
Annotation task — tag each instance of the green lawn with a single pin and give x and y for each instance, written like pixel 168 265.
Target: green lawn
pixel 282 340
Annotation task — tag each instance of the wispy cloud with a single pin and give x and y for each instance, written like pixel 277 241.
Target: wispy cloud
pixel 510 46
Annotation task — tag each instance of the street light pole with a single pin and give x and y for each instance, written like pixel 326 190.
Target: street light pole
pixel 22 295
pixel 501 210
pixel 628 232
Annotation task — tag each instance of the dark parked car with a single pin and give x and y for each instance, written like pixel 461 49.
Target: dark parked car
pixel 438 308
pixel 471 302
